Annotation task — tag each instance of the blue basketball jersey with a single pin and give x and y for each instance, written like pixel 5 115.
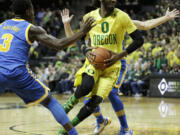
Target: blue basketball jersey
pixel 14 43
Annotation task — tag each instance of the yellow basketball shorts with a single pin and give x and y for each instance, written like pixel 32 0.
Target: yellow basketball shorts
pixel 104 80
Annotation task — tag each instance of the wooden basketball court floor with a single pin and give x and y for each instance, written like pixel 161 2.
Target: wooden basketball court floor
pixel 146 116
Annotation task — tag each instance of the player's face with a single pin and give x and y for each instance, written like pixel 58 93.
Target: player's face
pixel 109 4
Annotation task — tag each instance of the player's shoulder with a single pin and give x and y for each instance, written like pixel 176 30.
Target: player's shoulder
pixel 36 29
pixel 92 13
pixel 4 22
pixel 120 13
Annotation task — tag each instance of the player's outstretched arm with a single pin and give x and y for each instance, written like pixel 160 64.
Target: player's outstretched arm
pixel 149 24
pixel 39 34
pixel 66 19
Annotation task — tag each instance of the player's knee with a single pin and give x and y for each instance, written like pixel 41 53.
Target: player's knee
pixel 97 109
pixel 46 101
pixel 93 103
pixel 114 92
pixel 86 86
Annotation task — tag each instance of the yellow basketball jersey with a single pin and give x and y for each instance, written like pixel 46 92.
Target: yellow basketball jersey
pixel 109 31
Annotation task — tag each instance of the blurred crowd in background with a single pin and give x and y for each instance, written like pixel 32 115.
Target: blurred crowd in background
pixel 159 54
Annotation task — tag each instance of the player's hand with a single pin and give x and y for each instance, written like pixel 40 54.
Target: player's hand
pixel 114 58
pixel 88 25
pixel 65 16
pixel 90 55
pixel 172 14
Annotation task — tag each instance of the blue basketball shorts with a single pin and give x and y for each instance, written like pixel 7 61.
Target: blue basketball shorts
pixel 26 85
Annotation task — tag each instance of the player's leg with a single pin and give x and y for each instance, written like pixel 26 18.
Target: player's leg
pixel 97 113
pixel 59 114
pixel 100 91
pixel 85 80
pixel 118 107
pixel 3 83
pixel 81 91
pixel 32 91
pixel 116 102
pixel 85 111
pixel 101 122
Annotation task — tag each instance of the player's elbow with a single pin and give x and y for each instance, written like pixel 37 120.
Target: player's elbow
pixel 60 45
pixel 137 37
pixel 140 41
pixel 147 28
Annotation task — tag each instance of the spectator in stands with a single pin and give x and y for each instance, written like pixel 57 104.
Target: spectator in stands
pixel 136 80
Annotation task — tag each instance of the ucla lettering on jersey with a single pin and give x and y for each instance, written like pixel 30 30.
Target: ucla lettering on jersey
pixel 14 43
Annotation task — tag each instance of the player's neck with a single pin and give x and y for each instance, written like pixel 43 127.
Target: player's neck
pixel 19 17
pixel 22 17
pixel 104 12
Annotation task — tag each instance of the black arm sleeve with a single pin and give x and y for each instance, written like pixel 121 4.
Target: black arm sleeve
pixel 137 41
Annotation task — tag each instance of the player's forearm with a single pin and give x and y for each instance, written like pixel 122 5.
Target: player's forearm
pixel 149 24
pixel 156 22
pixel 68 30
pixel 65 42
pixel 39 34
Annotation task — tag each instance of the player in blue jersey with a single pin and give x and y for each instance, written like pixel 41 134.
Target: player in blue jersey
pixel 113 96
pixel 16 37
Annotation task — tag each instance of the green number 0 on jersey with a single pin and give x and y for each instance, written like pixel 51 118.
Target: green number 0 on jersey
pixel 105 27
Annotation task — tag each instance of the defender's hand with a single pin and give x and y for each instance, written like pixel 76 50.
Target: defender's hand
pixel 90 55
pixel 172 14
pixel 87 25
pixel 65 16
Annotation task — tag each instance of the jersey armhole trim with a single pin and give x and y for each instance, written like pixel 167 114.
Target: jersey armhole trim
pixel 26 34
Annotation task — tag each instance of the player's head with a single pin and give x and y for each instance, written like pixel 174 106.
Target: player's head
pixel 96 3
pixel 108 4
pixel 24 9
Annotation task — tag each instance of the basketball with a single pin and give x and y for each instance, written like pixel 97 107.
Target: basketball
pixel 101 54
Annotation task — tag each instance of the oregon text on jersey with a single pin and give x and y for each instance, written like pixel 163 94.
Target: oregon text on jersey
pixel 104 39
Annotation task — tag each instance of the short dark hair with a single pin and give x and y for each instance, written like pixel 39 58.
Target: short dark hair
pixel 20 6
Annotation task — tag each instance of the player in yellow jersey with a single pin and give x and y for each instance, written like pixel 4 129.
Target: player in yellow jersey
pixel 111 26
pixel 113 96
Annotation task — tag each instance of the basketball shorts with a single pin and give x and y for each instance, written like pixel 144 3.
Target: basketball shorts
pixel 26 85
pixel 104 80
